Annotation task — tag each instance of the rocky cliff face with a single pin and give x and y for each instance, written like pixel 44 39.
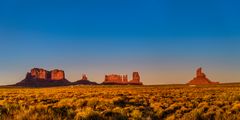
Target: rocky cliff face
pixel 38 73
pixel 125 78
pixel 41 74
pixel 201 79
pixel 84 77
pixel 114 78
pixel 57 74
pixel 136 78
pixel 39 77
pixel 122 79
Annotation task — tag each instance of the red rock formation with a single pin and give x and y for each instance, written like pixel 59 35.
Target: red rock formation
pixel 199 73
pixel 114 78
pixel 43 78
pixel 125 78
pixel 136 79
pixel 122 79
pixel 57 74
pixel 84 77
pixel 39 73
pixel 201 79
pixel 84 81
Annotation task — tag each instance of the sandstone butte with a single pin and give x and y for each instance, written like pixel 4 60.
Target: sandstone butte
pixel 41 74
pixel 201 79
pixel 115 79
pixel 39 77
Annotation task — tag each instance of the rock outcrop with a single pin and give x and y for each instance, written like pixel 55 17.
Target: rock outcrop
pixel 84 81
pixel 57 74
pixel 201 79
pixel 38 73
pixel 39 77
pixel 115 79
pixel 84 77
pixel 125 78
pixel 136 78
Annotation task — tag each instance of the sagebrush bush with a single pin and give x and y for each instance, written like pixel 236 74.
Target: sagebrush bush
pixel 121 103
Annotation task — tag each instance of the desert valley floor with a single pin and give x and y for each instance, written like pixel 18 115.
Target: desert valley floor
pixel 170 102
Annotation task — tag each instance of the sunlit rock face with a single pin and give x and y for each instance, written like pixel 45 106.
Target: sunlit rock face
pixel 114 78
pixel 57 74
pixel 199 73
pixel 122 79
pixel 125 78
pixel 39 77
pixel 39 73
pixel 136 78
pixel 201 79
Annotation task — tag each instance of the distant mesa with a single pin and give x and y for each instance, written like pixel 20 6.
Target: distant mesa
pixel 39 77
pixel 201 79
pixel 84 81
pixel 115 79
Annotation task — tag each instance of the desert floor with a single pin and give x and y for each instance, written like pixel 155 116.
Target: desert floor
pixel 172 102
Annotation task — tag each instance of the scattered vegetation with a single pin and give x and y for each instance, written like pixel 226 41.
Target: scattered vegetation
pixel 121 103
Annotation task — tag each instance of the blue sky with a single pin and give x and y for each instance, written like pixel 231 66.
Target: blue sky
pixel 158 38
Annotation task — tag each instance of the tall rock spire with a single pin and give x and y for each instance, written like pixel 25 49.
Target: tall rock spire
pixel 201 79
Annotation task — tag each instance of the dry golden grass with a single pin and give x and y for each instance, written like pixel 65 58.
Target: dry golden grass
pixel 181 102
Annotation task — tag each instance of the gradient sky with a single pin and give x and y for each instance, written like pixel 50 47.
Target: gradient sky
pixel 165 40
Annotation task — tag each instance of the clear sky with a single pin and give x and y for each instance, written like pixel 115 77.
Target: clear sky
pixel 165 40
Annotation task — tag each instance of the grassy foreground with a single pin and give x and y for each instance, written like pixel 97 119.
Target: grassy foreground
pixel 220 102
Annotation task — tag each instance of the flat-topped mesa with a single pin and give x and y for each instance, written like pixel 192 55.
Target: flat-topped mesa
pixel 57 74
pixel 39 77
pixel 42 74
pixel 201 79
pixel 125 78
pixel 114 78
pixel 122 79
